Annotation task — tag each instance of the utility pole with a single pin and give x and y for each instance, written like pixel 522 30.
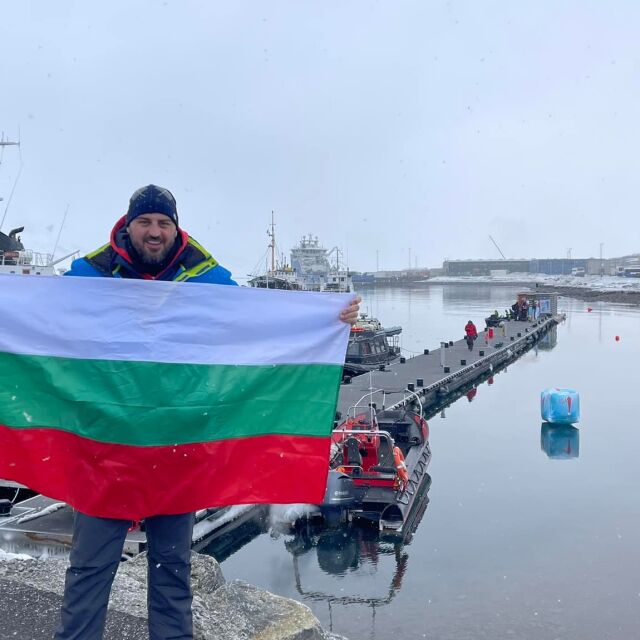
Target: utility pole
pixel 377 260
pixel 601 264
pixel 409 257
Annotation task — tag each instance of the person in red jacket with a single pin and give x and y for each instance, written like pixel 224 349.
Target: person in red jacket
pixel 471 333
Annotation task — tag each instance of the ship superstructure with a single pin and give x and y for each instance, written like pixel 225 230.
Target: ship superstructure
pixel 15 259
pixel 312 268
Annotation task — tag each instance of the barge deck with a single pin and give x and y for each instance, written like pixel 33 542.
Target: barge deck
pixel 432 377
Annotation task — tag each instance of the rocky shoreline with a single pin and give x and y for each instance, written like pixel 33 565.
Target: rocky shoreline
pixel 31 592
pixel 593 295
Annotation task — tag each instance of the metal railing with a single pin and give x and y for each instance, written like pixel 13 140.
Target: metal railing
pixel 25 258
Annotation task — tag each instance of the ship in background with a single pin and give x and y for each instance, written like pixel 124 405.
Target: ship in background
pixel 312 267
pixel 15 258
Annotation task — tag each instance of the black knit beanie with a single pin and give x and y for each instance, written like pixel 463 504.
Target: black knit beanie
pixel 152 199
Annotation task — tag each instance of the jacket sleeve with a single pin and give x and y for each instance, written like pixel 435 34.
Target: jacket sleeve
pixel 81 267
pixel 217 275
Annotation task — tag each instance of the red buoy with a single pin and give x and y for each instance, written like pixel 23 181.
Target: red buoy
pixel 617 338
pixel 589 310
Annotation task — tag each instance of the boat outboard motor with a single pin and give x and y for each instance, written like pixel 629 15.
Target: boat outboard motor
pixel 339 497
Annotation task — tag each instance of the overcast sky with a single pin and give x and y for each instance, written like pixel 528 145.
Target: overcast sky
pixel 399 127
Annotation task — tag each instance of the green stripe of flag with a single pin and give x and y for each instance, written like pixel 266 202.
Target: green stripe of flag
pixel 147 403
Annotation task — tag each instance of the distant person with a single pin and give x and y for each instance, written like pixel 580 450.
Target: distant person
pixel 536 309
pixel 471 333
pixel 531 311
pixel 522 311
pixel 493 319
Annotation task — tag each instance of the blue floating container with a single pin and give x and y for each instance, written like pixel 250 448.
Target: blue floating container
pixel 560 406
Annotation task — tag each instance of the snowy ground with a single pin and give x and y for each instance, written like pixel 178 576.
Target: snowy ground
pixel 594 283
pixel 5 556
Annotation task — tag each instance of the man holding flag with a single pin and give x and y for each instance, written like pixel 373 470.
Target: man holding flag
pixel 132 440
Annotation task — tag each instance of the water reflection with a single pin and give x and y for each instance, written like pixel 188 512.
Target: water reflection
pixel 560 441
pixel 234 538
pixel 347 550
pixel 475 566
pixel 549 340
pixel 490 297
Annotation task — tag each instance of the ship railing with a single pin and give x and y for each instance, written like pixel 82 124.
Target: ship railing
pixel 25 258
pixel 367 395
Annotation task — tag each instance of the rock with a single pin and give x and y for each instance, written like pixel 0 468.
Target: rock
pixel 129 592
pixel 253 613
pixel 221 610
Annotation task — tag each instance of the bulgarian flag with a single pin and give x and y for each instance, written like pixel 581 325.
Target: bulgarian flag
pixel 127 398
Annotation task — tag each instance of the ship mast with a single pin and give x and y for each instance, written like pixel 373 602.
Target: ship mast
pixel 4 142
pixel 272 244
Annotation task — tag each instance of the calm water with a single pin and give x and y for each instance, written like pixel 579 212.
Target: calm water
pixel 514 543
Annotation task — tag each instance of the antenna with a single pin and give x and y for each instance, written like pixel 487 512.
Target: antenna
pixel 7 143
pixel 55 246
pixel 498 248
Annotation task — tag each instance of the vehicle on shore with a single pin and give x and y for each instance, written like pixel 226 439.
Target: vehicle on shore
pixel 628 272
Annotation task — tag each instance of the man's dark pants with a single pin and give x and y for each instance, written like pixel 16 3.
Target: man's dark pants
pixel 95 555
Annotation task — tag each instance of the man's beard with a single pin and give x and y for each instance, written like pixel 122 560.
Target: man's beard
pixel 149 258
pixel 156 258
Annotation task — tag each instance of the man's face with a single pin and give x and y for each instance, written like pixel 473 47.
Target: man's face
pixel 152 235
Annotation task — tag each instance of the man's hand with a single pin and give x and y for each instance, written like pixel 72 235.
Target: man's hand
pixel 350 314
